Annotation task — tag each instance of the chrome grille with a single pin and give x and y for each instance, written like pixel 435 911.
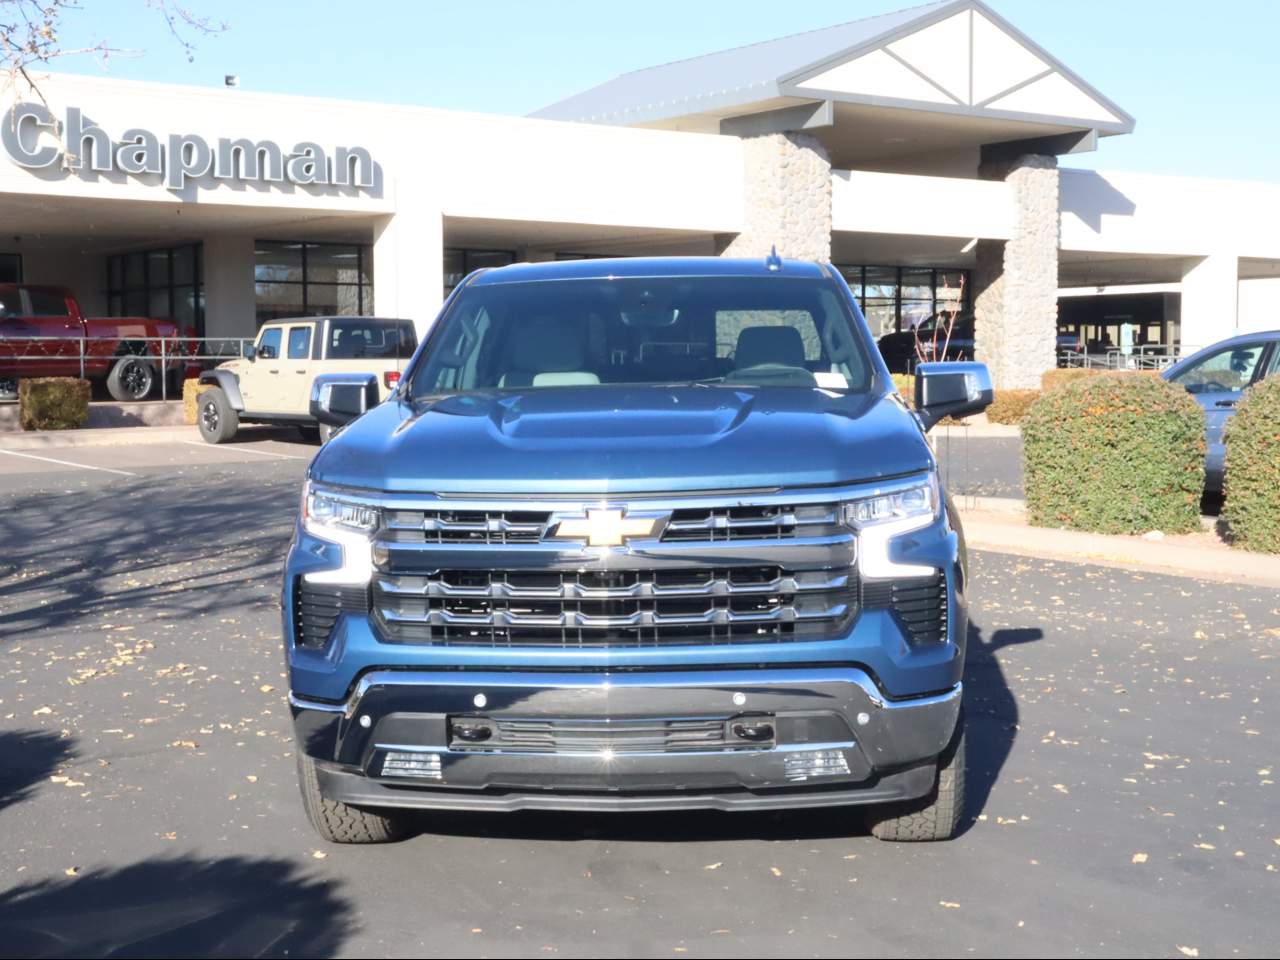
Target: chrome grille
pixel 465 526
pixel 618 737
pixel 613 608
pixel 771 522
pixel 709 524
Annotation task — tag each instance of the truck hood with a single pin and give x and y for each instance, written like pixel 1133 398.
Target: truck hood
pixel 601 439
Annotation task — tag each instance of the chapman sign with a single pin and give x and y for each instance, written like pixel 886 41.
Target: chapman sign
pixel 181 157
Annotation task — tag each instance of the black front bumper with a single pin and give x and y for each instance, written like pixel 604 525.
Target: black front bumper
pixel 833 739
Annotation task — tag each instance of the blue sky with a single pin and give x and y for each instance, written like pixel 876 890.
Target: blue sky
pixel 1200 77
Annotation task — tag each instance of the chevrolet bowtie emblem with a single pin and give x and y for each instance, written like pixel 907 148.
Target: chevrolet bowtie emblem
pixel 605 528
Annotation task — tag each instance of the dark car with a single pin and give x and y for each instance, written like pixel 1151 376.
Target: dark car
pixel 1217 376
pixel 632 535
pixel 900 351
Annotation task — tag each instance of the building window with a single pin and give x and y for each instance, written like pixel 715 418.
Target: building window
pixel 898 298
pixel 10 268
pixel 459 262
pixel 163 284
pixel 294 278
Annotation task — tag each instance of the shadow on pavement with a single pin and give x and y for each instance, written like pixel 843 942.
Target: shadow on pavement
pixel 148 545
pixel 29 757
pixel 178 907
pixel 991 712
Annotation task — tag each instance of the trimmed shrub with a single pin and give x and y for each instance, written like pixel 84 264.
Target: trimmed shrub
pixel 53 403
pixel 1011 406
pixel 191 390
pixel 1057 378
pixel 1252 482
pixel 1115 454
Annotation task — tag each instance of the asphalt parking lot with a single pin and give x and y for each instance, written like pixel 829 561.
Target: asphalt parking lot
pixel 1123 769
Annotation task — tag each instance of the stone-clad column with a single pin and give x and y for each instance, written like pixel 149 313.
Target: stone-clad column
pixel 787 195
pixel 1016 281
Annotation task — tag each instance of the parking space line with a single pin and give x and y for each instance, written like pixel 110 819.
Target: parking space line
pixel 240 449
pixel 68 463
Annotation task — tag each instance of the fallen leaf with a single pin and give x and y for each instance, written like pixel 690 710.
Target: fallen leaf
pixel 714 866
pixel 1139 858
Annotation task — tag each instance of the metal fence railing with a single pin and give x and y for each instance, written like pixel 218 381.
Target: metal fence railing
pixel 77 356
pixel 1147 356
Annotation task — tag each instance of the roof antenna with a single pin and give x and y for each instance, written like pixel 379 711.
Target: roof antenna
pixel 773 261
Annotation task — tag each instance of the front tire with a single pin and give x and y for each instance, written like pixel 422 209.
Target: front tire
pixel 217 419
pixel 340 822
pixel 932 817
pixel 131 379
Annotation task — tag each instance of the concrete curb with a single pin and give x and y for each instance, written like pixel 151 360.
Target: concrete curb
pixel 1000 525
pixel 95 437
pixel 978 431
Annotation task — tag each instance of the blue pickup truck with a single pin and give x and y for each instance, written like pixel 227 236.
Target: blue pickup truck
pixel 651 535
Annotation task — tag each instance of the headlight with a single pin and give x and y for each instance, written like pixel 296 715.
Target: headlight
pixel 884 516
pixel 322 509
pixel 349 524
pixel 920 500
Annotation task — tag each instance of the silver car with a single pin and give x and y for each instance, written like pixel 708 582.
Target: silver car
pixel 1217 376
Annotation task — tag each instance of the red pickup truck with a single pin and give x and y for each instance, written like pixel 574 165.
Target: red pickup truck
pixel 43 333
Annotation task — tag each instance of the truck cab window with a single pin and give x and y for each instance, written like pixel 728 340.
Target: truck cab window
pixel 46 303
pixel 299 343
pixel 269 344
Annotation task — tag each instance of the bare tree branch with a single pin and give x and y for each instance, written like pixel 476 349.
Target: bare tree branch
pixel 30 36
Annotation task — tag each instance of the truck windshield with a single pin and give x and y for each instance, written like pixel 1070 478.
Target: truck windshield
pixel 732 331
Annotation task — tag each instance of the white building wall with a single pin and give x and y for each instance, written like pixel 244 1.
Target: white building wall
pixel 1258 305
pixel 897 203
pixel 1148 214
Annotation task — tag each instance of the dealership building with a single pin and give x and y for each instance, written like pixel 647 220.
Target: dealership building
pixel 917 151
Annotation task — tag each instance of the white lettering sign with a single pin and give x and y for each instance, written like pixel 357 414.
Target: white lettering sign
pixel 180 158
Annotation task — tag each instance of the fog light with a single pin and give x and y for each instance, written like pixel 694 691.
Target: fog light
pixel 815 763
pixel 423 765
pixel 366 721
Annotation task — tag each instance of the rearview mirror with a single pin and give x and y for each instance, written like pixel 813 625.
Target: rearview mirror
pixel 250 351
pixel 951 390
pixel 339 398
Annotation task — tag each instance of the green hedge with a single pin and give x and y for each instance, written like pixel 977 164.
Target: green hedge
pixel 1115 453
pixel 1252 483
pixel 1011 406
pixel 53 403
pixel 1060 377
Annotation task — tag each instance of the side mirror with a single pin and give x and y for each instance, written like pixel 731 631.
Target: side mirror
pixel 951 390
pixel 339 398
pixel 250 351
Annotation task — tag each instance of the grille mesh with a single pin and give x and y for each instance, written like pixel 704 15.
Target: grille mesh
pixel 316 607
pixel 613 608
pixel 920 604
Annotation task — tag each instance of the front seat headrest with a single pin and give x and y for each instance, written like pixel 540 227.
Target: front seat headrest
pixel 761 345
